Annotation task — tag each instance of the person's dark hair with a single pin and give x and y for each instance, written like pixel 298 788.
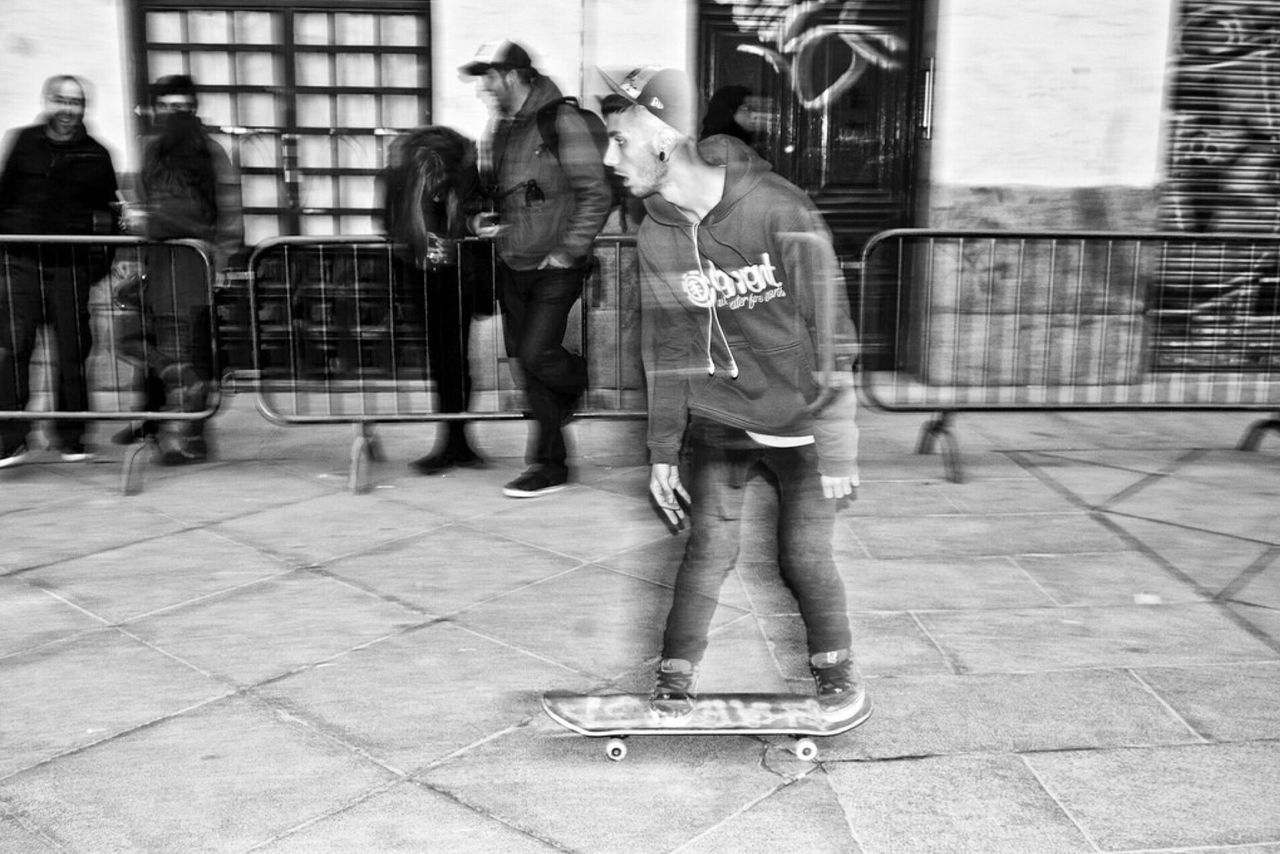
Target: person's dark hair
pixel 173 84
pixel 178 161
pixel 720 109
pixel 614 103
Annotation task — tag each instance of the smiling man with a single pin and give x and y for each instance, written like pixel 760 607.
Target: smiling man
pixel 56 179
pixel 738 283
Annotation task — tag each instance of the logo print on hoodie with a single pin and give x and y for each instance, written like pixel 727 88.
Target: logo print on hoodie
pixel 747 286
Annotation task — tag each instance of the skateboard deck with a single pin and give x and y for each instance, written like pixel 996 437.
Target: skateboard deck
pixel 617 716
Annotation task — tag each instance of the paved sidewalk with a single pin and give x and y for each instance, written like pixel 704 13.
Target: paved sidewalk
pixel 1076 650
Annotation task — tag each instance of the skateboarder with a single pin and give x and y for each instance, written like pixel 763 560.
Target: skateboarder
pixel 734 261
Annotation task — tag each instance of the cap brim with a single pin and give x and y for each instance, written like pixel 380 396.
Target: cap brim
pixel 617 89
pixel 474 69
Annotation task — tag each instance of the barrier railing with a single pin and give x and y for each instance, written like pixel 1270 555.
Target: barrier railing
pixel 344 331
pixel 971 320
pixel 128 336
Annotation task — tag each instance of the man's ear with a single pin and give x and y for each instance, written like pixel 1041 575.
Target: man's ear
pixel 665 140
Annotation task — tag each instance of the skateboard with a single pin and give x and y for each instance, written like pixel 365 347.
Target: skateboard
pixel 616 716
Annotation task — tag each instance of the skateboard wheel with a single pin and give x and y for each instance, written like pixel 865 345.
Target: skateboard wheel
pixel 805 749
pixel 616 749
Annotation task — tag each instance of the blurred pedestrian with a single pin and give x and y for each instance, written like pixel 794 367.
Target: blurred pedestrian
pixel 56 179
pixel 551 204
pixel 188 189
pixel 430 189
pixel 741 315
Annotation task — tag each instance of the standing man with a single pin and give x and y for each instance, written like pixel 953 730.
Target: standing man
pixel 56 179
pixel 551 205
pixel 189 190
pixel 741 308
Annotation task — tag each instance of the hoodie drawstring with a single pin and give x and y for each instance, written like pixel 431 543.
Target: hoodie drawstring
pixel 713 319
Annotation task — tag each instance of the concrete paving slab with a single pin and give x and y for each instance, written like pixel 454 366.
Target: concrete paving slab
pixel 1222 703
pixel 16 837
pixel 31 487
pixel 122 583
pixel 986 496
pixel 1008 713
pixel 66 696
pixel 1107 578
pixel 589 524
pixel 590 619
pixel 449 568
pixel 884 643
pixel 1265 622
pixel 419 697
pixel 929 583
pixel 204 494
pixel 560 787
pixel 801 816
pixel 321 529
pixel 1132 460
pixel 1214 561
pixel 31 618
pixel 953 803
pixel 180 785
pixel 1209 506
pixel 406 818
pixel 1087 485
pixel 1260 585
pixel 880 498
pixel 1122 636
pixel 267 629
pixel 1169 797
pixel 939 536
pixel 41 536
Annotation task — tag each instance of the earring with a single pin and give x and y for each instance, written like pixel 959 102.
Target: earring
pixel 662 156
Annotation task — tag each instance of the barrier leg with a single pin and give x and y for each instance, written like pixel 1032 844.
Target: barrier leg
pixel 940 429
pixel 364 449
pixel 131 472
pixel 1253 436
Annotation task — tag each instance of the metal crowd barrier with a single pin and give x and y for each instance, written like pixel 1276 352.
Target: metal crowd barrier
pixel 973 320
pixel 341 334
pixel 136 331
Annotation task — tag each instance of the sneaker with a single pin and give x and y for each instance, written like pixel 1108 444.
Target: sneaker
pixel 75 452
pixel 533 483
pixel 673 693
pixel 438 461
pixel 13 457
pixel 181 450
pixel 839 685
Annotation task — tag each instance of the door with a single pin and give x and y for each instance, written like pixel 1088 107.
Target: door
pixel 305 98
pixel 834 88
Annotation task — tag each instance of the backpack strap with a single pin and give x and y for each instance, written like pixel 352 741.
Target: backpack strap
pixel 547 116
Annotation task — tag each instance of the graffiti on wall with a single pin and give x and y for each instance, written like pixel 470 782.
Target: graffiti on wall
pixel 796 40
pixel 1223 176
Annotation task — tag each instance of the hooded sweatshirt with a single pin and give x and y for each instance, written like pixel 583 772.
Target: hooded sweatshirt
pixel 575 196
pixel 744 316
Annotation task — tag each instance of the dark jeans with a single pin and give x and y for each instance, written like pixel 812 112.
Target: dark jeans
pixel 172 343
pixel 536 304
pixel 31 295
pixel 721 459
pixel 444 301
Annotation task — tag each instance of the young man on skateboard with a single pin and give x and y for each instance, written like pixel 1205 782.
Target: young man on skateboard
pixel 736 266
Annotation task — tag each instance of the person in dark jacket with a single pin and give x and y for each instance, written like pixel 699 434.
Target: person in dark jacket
pixel 743 322
pixel 551 205
pixel 188 190
pixel 56 179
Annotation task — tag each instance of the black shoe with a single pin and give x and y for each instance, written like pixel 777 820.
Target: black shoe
pixel 533 483
pixel 673 693
pixel 839 686
pixel 438 461
pixel 15 456
pixel 182 450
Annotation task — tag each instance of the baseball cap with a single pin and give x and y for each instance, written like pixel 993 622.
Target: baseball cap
pixel 502 55
pixel 662 91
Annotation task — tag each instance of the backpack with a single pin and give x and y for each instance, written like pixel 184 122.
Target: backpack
pixel 550 133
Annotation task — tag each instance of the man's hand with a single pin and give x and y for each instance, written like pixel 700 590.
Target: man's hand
pixel 668 491
pixel 836 487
